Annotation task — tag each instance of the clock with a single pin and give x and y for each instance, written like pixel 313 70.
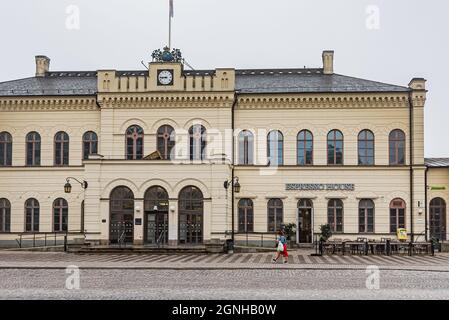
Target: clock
pixel 165 77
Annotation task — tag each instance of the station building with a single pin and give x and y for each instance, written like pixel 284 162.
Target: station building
pixel 194 157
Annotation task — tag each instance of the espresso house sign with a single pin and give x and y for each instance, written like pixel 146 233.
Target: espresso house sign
pixel 320 187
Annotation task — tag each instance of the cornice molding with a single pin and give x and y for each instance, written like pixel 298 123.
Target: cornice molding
pixel 323 101
pixel 18 104
pixel 166 100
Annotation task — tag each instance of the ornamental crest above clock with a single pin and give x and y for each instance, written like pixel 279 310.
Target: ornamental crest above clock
pixel 166 55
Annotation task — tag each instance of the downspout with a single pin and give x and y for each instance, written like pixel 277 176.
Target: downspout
pixel 232 165
pixel 412 201
pixel 425 199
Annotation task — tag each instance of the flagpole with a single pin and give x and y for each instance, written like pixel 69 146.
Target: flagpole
pixel 169 29
pixel 170 16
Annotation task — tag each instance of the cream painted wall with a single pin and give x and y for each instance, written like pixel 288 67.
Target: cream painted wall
pixel 117 107
pixel 320 121
pixel 439 177
pixel 47 124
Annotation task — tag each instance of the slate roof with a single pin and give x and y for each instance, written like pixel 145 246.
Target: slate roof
pixel 305 81
pixel 247 81
pixel 53 84
pixel 437 162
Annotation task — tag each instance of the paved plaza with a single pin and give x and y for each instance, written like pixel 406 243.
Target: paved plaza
pixel 28 275
pixel 297 260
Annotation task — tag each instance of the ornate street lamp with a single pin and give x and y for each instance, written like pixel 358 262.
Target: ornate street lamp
pixel 68 186
pixel 236 185
pixel 236 189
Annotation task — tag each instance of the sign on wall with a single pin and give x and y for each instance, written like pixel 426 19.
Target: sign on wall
pixel 320 186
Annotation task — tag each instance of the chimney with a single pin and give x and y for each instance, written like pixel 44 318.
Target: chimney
pixel 42 65
pixel 328 62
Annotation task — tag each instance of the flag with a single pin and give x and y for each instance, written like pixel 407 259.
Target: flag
pixel 172 10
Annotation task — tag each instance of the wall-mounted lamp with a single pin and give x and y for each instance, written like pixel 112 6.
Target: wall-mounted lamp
pixel 236 185
pixel 68 186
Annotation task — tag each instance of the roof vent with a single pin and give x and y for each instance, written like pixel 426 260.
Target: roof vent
pixel 42 65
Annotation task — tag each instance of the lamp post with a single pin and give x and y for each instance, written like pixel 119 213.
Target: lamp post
pixel 235 189
pixel 68 186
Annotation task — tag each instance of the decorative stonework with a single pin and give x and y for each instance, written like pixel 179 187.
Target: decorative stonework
pixel 47 104
pixel 321 101
pixel 120 101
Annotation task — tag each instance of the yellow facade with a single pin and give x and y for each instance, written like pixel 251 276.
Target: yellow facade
pixel 214 100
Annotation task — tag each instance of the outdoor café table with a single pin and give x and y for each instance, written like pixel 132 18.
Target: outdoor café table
pixel 361 246
pixel 421 246
pixel 397 245
pixel 375 245
pixel 333 246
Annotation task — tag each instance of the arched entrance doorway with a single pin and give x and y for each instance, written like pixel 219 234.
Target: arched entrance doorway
pixel 305 210
pixel 121 206
pixel 191 213
pixel 156 215
pixel 438 219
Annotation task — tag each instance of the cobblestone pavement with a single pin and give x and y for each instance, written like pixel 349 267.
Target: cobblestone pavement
pixel 297 260
pixel 222 284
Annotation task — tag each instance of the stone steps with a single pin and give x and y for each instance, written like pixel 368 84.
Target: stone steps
pixel 142 250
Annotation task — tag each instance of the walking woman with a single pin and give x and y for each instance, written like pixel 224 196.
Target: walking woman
pixel 281 245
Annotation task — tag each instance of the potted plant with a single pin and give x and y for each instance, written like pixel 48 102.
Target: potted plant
pixel 290 231
pixel 326 232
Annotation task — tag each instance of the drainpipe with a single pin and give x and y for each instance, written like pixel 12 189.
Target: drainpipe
pixel 232 165
pixel 425 200
pixel 412 201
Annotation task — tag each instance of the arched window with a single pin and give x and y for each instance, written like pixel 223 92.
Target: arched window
pixel 275 214
pixel 90 144
pixel 275 148
pixel 335 148
pixel 335 215
pixel 33 149
pixel 60 215
pixel 366 216
pixel 134 143
pixel 5 215
pixel 156 215
pixel 197 142
pixel 305 148
pixel 121 211
pixel 156 199
pixel 191 215
pixel 166 142
pixel 246 215
pixel 438 219
pixel 61 149
pixel 397 215
pixel 366 148
pixel 5 149
pixel 246 148
pixel 397 147
pixel 32 211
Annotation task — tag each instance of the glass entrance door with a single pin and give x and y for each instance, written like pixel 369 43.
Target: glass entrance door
pixel 157 227
pixel 304 229
pixel 438 219
pixel 191 228
pixel 121 228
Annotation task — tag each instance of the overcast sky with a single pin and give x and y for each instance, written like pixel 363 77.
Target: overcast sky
pixel 385 40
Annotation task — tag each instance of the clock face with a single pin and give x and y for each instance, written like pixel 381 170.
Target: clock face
pixel 165 77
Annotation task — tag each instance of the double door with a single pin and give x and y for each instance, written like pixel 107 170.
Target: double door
pixel 191 228
pixel 156 227
pixel 121 228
